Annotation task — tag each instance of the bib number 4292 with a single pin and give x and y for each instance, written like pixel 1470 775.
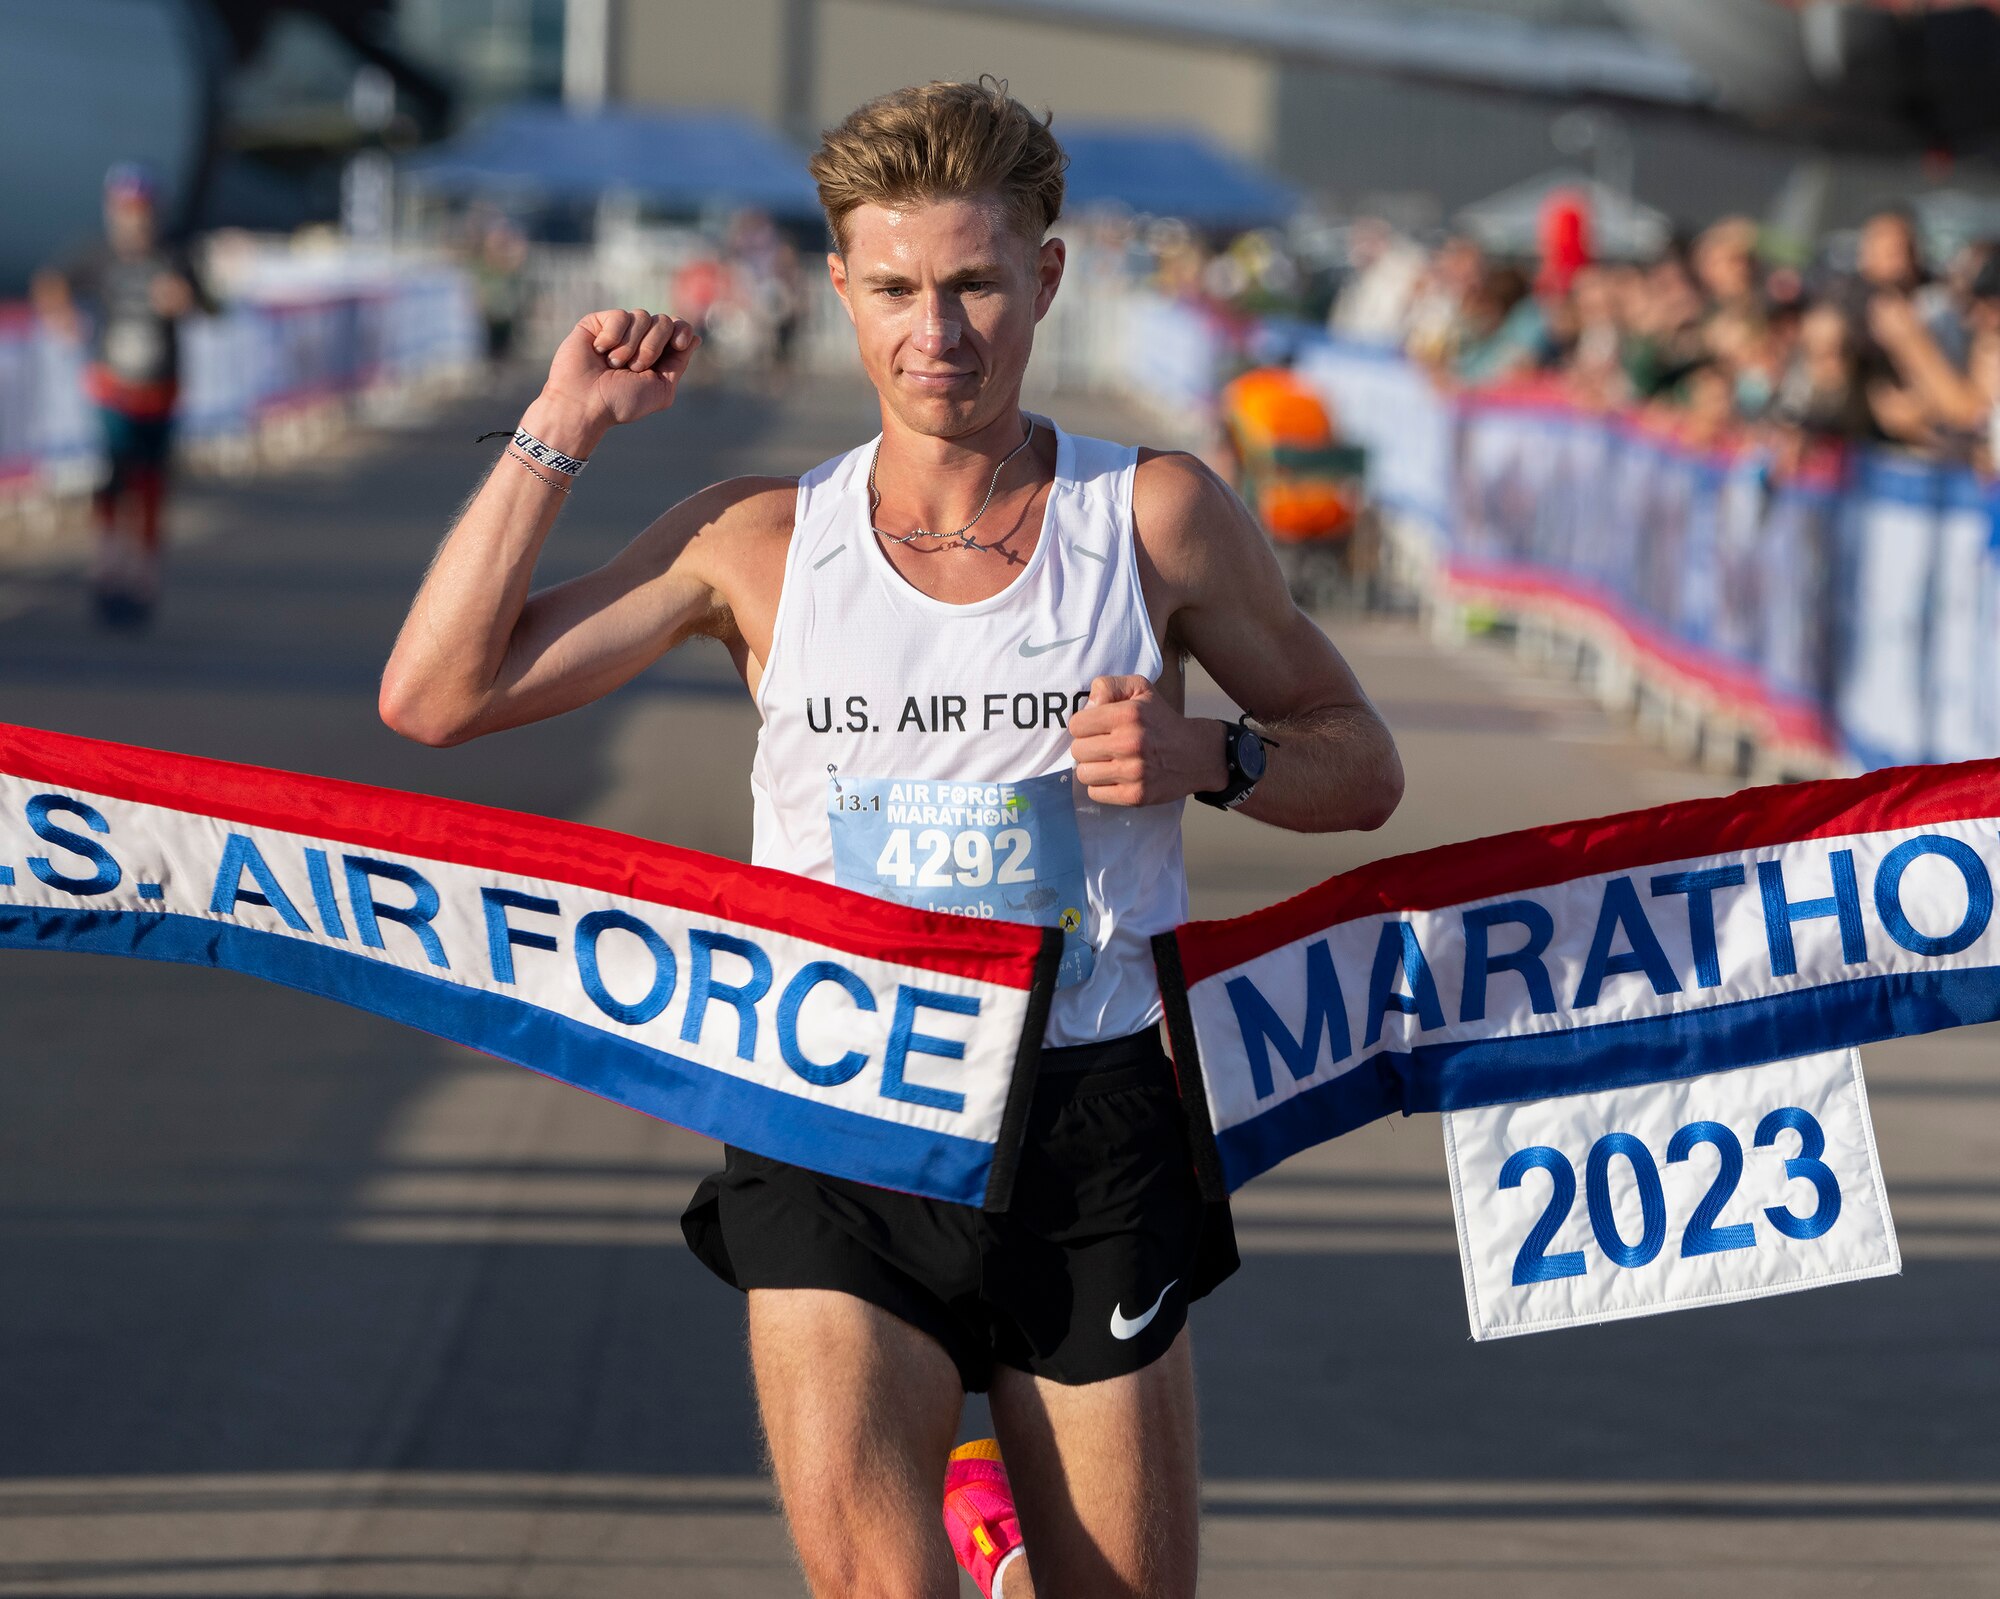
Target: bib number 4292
pixel 935 858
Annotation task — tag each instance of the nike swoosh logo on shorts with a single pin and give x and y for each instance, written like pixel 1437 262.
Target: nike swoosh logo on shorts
pixel 1122 1329
pixel 1032 650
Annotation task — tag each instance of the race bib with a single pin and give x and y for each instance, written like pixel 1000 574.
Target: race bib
pixel 135 349
pixel 1735 1185
pixel 996 851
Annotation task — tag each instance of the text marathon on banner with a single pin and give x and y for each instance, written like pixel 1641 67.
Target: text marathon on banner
pixel 1647 947
pixel 807 1023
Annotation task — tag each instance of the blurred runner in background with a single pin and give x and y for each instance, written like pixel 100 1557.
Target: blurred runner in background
pixel 498 265
pixel 136 289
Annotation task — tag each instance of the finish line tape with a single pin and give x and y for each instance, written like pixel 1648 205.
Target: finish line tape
pixel 898 1047
pixel 802 1021
pixel 1643 948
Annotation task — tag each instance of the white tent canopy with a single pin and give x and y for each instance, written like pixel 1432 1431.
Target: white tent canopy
pixel 1620 227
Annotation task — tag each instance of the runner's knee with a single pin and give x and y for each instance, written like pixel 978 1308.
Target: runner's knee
pixel 866 1529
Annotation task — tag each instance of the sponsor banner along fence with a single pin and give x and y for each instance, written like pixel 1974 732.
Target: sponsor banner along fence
pixel 808 1023
pixel 1598 955
pixel 1852 610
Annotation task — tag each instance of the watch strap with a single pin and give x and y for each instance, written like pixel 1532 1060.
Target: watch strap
pixel 1234 792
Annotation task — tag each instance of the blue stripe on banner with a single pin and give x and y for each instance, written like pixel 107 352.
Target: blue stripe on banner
pixel 1627 1054
pixel 1887 477
pixel 1966 491
pixel 1654 1049
pixel 771 1122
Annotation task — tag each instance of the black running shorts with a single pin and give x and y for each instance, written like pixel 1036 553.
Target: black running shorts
pixel 1087 1275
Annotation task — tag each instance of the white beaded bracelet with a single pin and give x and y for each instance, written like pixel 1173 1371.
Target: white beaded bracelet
pixel 547 454
pixel 536 450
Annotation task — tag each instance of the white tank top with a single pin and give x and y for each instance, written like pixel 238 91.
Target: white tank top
pixel 918 750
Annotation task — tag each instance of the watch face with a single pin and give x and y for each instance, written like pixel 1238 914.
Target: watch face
pixel 1250 754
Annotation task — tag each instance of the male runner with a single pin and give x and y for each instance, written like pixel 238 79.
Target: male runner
pixel 976 599
pixel 138 288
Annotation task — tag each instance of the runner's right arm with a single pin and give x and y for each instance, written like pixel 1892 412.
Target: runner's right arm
pixel 479 652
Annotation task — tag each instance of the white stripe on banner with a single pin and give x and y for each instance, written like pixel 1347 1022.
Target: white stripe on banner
pixel 1728 1186
pixel 745 1005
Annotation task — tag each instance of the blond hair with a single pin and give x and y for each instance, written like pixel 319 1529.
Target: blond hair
pixel 942 141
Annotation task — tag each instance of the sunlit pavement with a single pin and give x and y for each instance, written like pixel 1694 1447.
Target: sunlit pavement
pixel 293 1301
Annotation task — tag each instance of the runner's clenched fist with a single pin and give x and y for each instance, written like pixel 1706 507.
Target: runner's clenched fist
pixel 1133 748
pixel 615 366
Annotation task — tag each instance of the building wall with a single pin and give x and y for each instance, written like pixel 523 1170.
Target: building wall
pixel 1354 138
pixel 867 47
pixel 701 52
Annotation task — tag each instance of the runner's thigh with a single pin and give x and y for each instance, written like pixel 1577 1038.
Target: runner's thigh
pixel 860 1410
pixel 1105 1479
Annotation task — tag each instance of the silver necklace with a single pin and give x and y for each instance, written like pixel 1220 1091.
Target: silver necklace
pixel 875 503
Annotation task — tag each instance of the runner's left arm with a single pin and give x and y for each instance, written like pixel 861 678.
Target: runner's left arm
pixel 1209 568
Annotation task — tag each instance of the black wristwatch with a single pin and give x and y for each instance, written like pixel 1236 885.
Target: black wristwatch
pixel 1244 749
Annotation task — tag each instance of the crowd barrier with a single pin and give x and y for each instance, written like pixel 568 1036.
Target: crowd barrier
pixel 1846 611
pixel 284 345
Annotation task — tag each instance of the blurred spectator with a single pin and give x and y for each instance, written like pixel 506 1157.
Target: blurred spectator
pixel 1664 315
pixel 134 288
pixel 698 288
pixel 1386 270
pixel 1745 351
pixel 1820 394
pixel 788 303
pixel 497 262
pixel 1503 332
pixel 1707 406
pixel 1725 265
pixel 761 308
pixel 1932 402
pixel 1597 350
pixel 1437 308
pixel 1889 268
pixel 1888 255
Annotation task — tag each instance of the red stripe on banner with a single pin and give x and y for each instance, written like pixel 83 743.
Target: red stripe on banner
pixel 1537 857
pixel 482 836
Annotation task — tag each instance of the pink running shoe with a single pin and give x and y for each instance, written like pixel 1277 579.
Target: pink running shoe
pixel 979 1514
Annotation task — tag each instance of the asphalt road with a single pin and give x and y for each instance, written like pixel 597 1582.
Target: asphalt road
pixel 293 1301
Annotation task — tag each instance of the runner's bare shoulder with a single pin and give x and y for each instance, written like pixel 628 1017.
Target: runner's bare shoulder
pixel 733 536
pixel 716 529
pixel 744 507
pixel 1188 523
